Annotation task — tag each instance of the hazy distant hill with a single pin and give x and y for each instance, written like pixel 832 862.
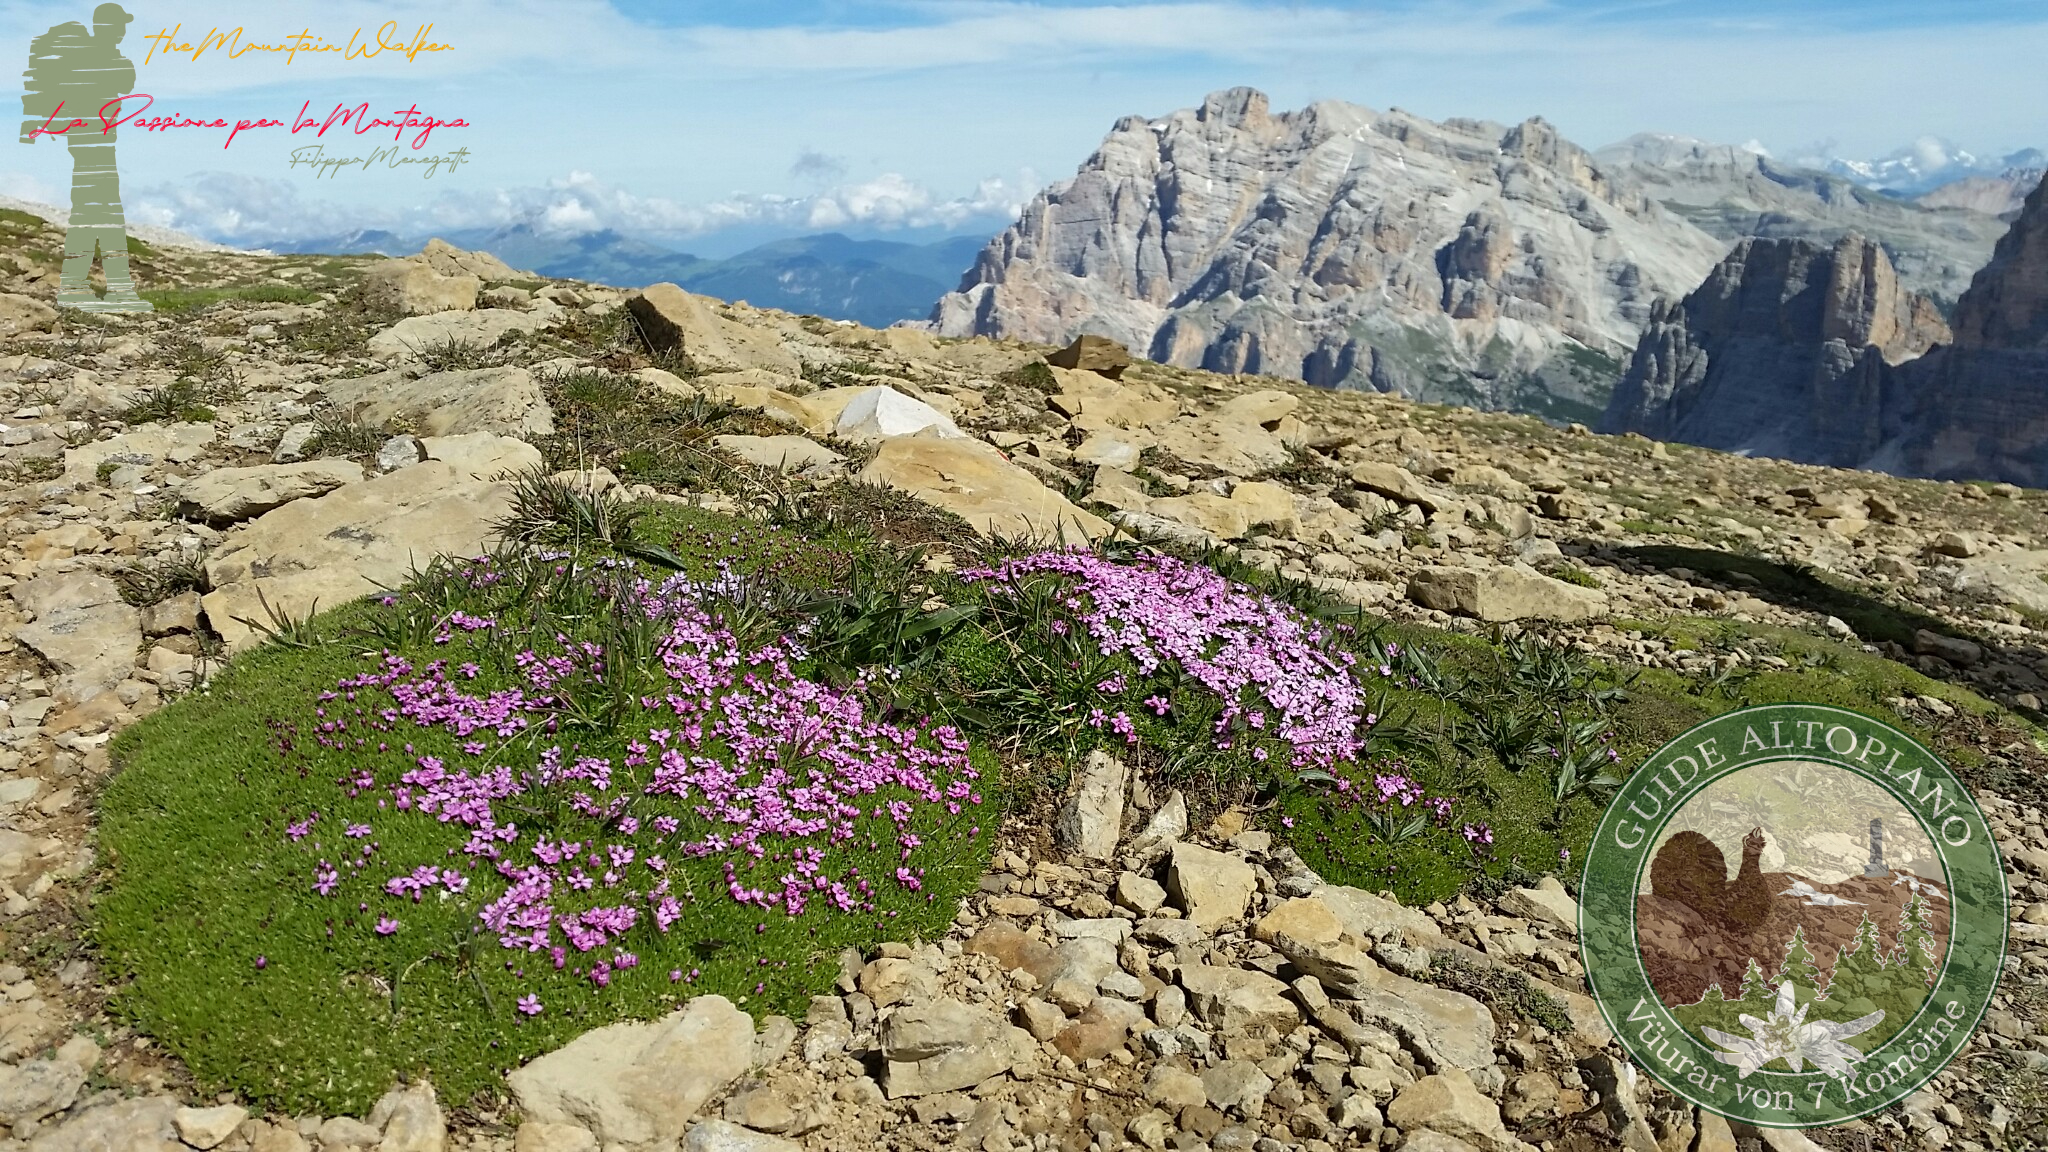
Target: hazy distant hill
pixel 874 282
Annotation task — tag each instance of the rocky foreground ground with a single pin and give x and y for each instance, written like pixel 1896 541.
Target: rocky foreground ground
pixel 176 483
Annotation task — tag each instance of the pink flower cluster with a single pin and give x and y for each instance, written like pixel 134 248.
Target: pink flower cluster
pixel 1278 673
pixel 774 781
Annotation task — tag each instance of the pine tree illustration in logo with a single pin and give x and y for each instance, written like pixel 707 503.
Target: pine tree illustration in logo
pixel 1859 975
pixel 1917 942
pixel 1756 989
pixel 1799 966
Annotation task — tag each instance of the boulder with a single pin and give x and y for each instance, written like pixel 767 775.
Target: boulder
pixel 332 549
pixel 974 482
pixel 1449 1103
pixel 1398 484
pixel 448 260
pixel 151 445
pixel 790 453
pixel 1232 447
pixel 39 1088
pixel 1366 916
pixel 1229 1000
pixel 1265 408
pixel 1451 1028
pixel 483 455
pixel 1504 592
pixel 535 1136
pixel 1098 354
pixel 1237 1086
pixel 82 628
pixel 1211 888
pixel 1547 903
pixel 1206 512
pixel 20 314
pixel 1015 949
pixel 671 318
pixel 1102 1028
pixel 1091 817
pixel 1095 402
pixel 506 401
pixel 416 289
pixel 2018 578
pixel 483 328
pixel 1309 934
pixel 878 413
pixel 229 495
pixel 635 1085
pixel 944 1045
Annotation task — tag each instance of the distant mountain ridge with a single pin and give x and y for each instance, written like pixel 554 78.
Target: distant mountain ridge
pixel 1735 192
pixel 873 282
pixel 1920 167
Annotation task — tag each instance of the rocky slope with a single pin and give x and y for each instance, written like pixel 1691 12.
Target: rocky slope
pixel 1781 352
pixel 1346 247
pixel 1138 979
pixel 1935 244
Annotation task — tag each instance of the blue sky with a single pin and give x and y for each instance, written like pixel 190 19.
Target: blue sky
pixel 713 124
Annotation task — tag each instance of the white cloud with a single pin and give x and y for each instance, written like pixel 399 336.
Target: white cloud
pixel 254 210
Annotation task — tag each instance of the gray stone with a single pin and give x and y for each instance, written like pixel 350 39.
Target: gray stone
pixel 410 1119
pixel 38 1088
pixel 226 496
pixel 722 1136
pixel 945 1046
pixel 399 452
pixel 1211 888
pixel 637 1085
pixel 1237 1086
pixel 146 1124
pixel 1504 592
pixel 1091 817
pixel 207 1127
pixel 1232 999
pixel 507 401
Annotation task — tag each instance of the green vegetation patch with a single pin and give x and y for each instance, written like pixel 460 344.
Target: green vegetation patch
pixel 176 300
pixel 447 830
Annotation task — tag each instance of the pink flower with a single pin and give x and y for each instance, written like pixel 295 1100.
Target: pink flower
pixel 529 1005
pixel 386 926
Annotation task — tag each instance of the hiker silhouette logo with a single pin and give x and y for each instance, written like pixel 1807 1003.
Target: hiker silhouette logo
pixel 74 74
pixel 1847 958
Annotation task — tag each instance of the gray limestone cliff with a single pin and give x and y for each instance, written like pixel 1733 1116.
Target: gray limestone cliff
pixel 1820 355
pixel 1460 261
pixel 1782 351
pixel 1978 408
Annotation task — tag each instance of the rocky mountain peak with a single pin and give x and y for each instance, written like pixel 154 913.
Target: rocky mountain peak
pixel 2007 304
pixel 1460 260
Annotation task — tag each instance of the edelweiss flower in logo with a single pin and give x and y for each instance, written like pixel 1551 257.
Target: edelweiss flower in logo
pixel 1786 1035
